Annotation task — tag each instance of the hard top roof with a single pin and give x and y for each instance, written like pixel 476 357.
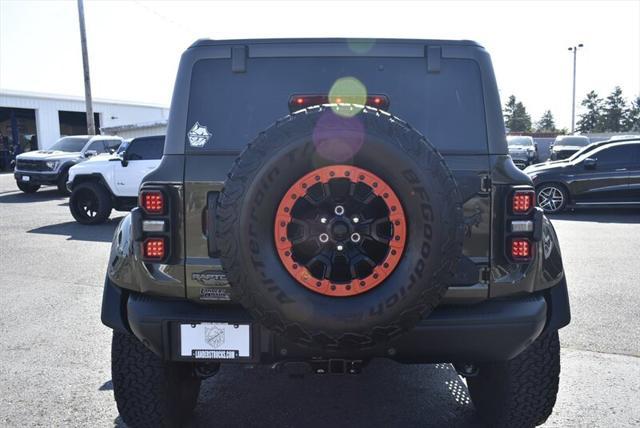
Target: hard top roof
pixel 213 42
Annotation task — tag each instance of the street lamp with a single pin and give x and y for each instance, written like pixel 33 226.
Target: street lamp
pixel 574 49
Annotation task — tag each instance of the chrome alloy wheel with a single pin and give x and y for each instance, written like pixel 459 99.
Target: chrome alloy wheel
pixel 550 199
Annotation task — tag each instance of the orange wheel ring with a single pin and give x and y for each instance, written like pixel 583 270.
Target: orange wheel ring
pixel 340 230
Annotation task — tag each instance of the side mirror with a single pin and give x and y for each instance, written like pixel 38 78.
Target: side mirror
pixel 589 163
pixel 90 153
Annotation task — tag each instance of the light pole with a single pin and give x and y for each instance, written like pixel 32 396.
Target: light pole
pixel 574 49
pixel 91 127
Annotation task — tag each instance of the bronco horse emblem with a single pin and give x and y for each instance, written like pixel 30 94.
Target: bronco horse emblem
pixel 198 135
pixel 214 336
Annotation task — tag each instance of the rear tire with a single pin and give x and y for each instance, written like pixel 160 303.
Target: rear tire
pixel 28 188
pixel 150 392
pixel 90 203
pixel 520 392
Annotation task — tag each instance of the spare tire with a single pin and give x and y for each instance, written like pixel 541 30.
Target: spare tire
pixel 340 232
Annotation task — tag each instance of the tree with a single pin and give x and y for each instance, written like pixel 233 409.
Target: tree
pixel 591 120
pixel 516 117
pixel 546 123
pixel 631 121
pixel 614 111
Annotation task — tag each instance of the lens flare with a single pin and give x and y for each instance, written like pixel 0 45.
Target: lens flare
pixel 348 90
pixel 361 46
pixel 338 138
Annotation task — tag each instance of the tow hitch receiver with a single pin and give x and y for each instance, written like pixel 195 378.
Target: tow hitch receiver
pixel 331 366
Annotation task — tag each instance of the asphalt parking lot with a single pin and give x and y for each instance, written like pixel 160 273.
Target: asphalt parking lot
pixel 55 353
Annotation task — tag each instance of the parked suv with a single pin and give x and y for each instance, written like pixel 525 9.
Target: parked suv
pixel 324 202
pixel 111 182
pixel 523 150
pixel 51 166
pixel 566 145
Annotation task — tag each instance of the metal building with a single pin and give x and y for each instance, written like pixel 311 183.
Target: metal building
pixel 30 121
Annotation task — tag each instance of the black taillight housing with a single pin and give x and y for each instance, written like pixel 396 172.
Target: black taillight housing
pixel 152 223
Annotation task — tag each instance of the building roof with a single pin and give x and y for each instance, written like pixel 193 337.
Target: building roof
pixel 44 95
pixel 142 125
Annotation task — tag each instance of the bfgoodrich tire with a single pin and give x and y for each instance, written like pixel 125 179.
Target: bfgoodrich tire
pixel 90 203
pixel 150 392
pixel 318 142
pixel 520 392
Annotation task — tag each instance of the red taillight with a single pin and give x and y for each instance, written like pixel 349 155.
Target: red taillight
pixel 154 248
pixel 522 201
pixel 521 249
pixel 152 201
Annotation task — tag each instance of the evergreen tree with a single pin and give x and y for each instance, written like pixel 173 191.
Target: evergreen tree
pixel 516 117
pixel 591 120
pixel 632 117
pixel 614 111
pixel 546 123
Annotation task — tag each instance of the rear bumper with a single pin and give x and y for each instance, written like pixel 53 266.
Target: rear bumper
pixel 37 177
pixel 494 330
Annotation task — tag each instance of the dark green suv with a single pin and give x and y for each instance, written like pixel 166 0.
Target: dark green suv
pixel 324 202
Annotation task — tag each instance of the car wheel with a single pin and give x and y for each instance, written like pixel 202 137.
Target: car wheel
pixel 28 188
pixel 324 204
pixel 90 203
pixel 148 391
pixel 551 197
pixel 62 183
pixel 520 392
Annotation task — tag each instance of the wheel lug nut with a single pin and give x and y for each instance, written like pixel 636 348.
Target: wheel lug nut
pixel 339 210
pixel 355 237
pixel 323 237
pixel 323 220
pixel 339 247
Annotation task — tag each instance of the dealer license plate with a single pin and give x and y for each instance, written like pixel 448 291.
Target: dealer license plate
pixel 26 178
pixel 219 341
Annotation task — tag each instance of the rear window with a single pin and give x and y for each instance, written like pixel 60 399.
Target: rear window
pixel 573 141
pixel 145 148
pixel 447 107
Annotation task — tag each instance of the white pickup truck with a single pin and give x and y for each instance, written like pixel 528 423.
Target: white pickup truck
pixel 104 183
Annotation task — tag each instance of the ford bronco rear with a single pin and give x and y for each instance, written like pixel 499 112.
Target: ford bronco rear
pixel 321 203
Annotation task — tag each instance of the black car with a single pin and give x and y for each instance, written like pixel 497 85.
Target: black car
pixel 606 176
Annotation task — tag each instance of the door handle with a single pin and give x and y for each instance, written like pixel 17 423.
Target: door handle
pixel 621 169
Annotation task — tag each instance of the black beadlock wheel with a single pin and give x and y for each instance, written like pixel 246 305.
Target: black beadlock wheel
pixel 321 286
pixel 148 391
pixel 520 392
pixel 90 203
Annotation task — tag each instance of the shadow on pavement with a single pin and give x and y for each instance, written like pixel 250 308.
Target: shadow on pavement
pixel 600 215
pixel 386 394
pixel 79 232
pixel 19 197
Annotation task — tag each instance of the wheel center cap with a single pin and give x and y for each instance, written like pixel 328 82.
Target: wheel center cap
pixel 340 230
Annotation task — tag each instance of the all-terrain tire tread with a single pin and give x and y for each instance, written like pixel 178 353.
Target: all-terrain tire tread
pixel 520 392
pixel 252 159
pixel 148 391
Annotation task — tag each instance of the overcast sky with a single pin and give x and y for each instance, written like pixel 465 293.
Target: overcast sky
pixel 134 46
